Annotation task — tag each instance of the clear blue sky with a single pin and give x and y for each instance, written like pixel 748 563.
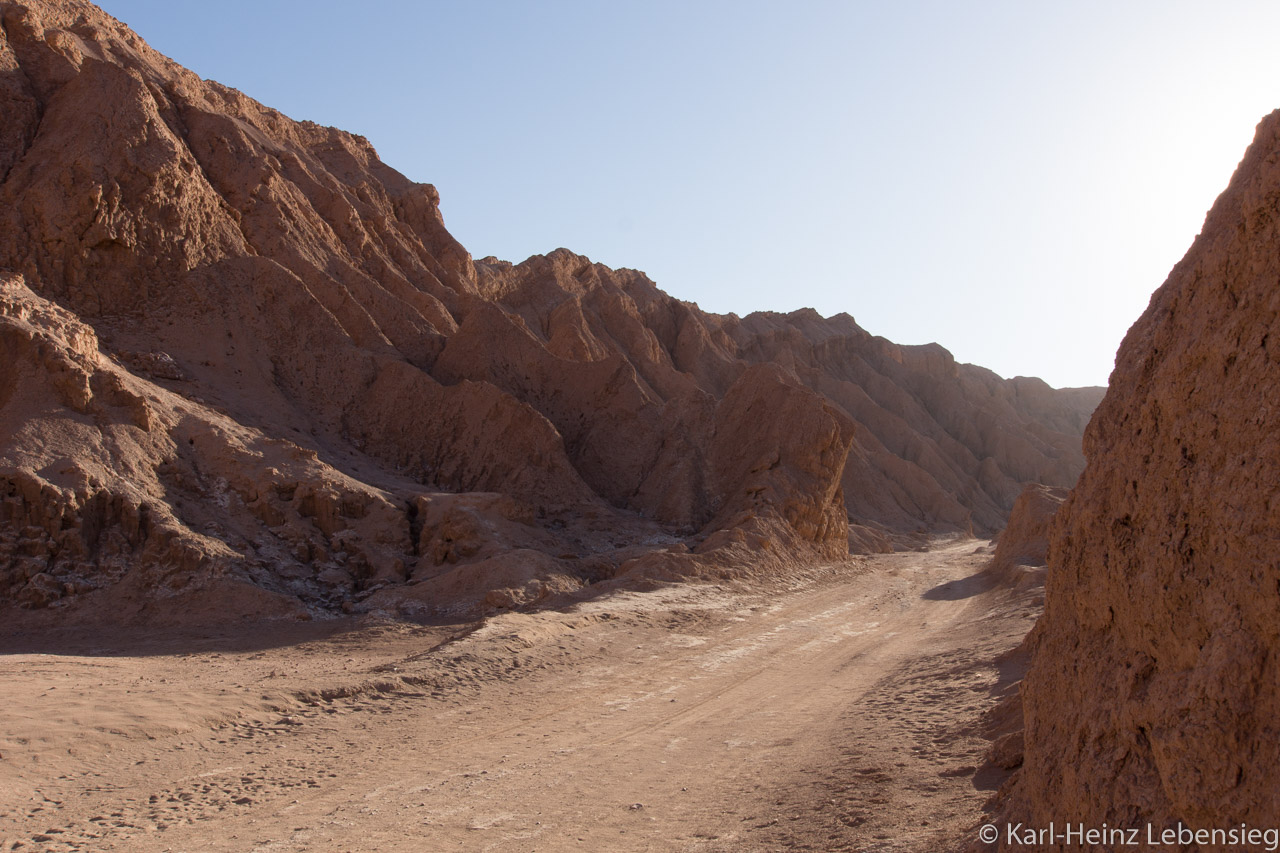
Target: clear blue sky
pixel 1011 180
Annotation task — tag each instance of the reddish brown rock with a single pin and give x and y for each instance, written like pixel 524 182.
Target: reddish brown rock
pixel 777 455
pixel 1155 681
pixel 1023 545
pixel 241 347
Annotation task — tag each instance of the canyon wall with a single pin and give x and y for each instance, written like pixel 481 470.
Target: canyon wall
pixel 247 362
pixel 1153 689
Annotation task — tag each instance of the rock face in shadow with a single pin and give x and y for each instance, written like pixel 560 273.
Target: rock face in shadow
pixel 1152 693
pixel 241 347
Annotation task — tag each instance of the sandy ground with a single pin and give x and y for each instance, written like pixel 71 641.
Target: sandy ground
pixel 840 710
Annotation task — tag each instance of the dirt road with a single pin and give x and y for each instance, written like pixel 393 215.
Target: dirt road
pixel 841 711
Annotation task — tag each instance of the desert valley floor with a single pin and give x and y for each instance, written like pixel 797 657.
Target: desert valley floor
pixel 847 708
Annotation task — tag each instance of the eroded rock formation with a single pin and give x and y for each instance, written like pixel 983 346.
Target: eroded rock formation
pixel 1155 678
pixel 1022 548
pixel 241 348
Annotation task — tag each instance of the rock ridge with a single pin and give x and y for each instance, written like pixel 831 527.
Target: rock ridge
pixel 276 367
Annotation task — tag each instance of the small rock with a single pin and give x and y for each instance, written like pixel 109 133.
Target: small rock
pixel 41 591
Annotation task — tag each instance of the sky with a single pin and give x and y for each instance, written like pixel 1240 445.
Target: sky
pixel 1010 180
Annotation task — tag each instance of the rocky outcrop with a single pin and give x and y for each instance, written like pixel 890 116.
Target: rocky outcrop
pixel 1023 546
pixel 269 362
pixel 1155 679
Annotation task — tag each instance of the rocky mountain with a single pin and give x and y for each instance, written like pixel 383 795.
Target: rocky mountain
pixel 1154 681
pixel 247 369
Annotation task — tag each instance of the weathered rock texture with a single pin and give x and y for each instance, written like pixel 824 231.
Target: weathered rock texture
pixel 1022 548
pixel 1155 683
pixel 241 347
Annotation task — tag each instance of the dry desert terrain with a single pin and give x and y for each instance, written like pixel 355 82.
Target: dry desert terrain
pixel 840 709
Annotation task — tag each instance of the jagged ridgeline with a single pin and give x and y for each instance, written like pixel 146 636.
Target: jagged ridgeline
pixel 246 366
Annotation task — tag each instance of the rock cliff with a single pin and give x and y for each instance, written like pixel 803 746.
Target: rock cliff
pixel 1155 679
pixel 243 352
